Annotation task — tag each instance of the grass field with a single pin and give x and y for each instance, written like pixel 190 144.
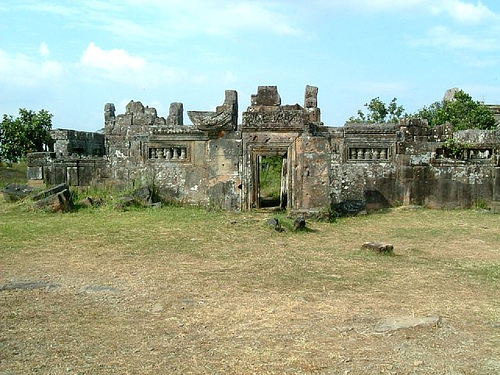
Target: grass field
pixel 185 291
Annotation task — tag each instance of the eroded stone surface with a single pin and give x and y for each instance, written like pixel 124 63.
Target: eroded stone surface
pixel 394 324
pixel 299 223
pixel 16 192
pixel 100 289
pixel 215 162
pixel 176 114
pixel 378 247
pixel 27 285
pixel 225 117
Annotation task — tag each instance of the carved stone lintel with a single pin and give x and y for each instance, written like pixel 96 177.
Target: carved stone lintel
pixel 225 117
pixel 205 120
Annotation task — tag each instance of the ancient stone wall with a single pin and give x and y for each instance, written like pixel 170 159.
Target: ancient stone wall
pixel 197 164
pixel 72 142
pixel 216 161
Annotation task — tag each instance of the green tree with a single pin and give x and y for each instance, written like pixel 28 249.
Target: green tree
pixel 30 132
pixel 462 112
pixel 380 112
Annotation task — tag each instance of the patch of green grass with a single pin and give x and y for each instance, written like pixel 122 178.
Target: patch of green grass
pixel 12 174
pixel 486 271
pixel 270 176
pixel 427 240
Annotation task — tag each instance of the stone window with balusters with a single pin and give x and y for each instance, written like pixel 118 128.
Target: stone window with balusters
pixel 170 153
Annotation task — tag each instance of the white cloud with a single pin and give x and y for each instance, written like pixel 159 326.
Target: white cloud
pixel 176 19
pixel 373 5
pixel 44 49
pixel 444 37
pixel 130 29
pixel 20 70
pixel 58 9
pixel 111 60
pixel 459 10
pixel 253 16
pixel 120 66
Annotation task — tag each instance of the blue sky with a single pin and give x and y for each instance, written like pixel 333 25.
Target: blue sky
pixel 72 57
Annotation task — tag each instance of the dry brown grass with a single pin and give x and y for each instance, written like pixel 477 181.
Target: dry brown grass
pixel 184 291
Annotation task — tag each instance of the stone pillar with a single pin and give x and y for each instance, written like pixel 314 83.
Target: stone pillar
pixel 109 112
pixel 311 97
pixel 168 153
pixel 231 102
pixel 176 114
pixel 360 154
pixel 353 154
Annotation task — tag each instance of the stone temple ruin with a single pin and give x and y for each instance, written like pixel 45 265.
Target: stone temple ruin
pixel 217 161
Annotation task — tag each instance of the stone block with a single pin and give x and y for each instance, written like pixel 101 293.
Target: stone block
pixel 16 192
pixel 175 114
pixel 311 97
pixel 299 223
pixel 134 108
pixel 58 202
pixel 52 191
pixel 379 247
pixel 266 96
pixel 394 324
pixel 35 173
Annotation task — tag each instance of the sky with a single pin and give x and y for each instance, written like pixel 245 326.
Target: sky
pixel 73 57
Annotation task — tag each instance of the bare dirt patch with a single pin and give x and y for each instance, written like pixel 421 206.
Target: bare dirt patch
pixel 183 291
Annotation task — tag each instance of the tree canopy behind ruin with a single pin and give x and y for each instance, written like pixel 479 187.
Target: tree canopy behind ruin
pixel 380 112
pixel 460 110
pixel 30 132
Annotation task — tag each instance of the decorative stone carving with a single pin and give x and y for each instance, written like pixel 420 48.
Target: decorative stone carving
pixel 169 153
pixel 267 114
pixel 225 116
pixel 368 153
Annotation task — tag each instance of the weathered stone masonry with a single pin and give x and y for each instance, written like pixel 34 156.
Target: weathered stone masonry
pixel 216 161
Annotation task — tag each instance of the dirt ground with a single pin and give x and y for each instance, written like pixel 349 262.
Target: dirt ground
pixel 242 298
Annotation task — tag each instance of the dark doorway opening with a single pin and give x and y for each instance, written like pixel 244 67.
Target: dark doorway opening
pixel 272 181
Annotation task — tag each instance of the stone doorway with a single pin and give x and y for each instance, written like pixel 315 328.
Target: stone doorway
pixel 270 174
pixel 272 184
